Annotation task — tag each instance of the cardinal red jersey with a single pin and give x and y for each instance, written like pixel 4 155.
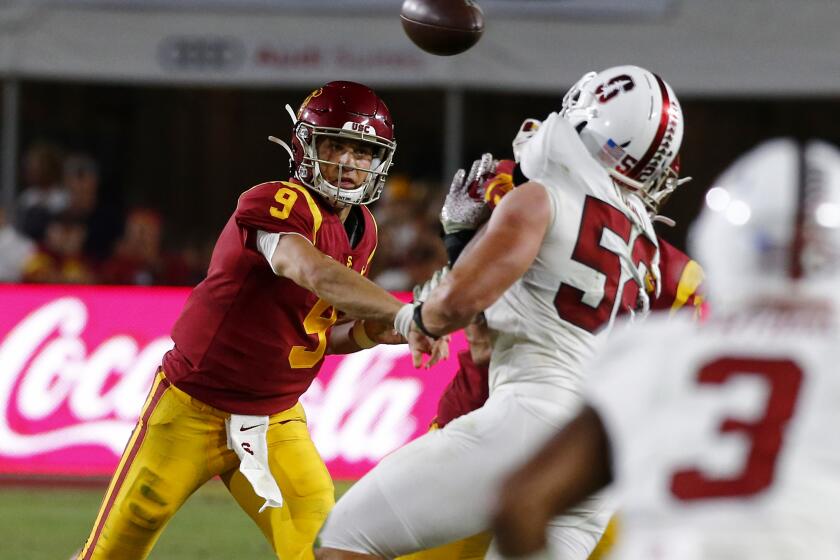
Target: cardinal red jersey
pixel 251 342
pixel 682 281
pixel 466 392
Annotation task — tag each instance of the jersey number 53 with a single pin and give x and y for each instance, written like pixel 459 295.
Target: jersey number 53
pixel 598 218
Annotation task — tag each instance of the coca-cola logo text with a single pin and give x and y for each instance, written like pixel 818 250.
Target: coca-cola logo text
pixel 75 371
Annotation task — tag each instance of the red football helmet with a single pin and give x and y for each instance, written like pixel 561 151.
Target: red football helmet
pixel 345 110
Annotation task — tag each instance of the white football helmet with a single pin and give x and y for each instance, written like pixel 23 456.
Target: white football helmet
pixel 770 227
pixel 631 122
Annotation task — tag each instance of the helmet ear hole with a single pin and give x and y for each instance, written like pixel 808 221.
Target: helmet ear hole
pixel 580 126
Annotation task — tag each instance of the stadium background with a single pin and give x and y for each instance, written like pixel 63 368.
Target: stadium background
pixel 149 117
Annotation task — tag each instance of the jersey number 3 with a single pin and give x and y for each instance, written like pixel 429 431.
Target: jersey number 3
pixel 598 218
pixel 765 435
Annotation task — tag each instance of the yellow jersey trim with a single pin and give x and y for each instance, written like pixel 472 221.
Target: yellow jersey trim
pixel 691 277
pixel 317 218
pixel 376 242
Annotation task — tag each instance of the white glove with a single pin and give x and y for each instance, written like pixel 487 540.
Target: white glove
pixel 422 291
pixel 464 207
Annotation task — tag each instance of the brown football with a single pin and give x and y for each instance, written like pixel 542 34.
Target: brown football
pixel 442 27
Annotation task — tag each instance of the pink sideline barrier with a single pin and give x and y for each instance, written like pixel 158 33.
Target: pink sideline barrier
pixel 76 364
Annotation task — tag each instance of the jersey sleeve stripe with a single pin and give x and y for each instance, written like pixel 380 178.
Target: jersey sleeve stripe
pixel 690 279
pixel 313 208
pixel 376 239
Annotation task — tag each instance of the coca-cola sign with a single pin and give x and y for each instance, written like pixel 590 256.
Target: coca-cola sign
pixel 76 364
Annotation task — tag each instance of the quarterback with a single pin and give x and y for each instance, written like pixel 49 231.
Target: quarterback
pixel 560 256
pixel 286 285
pixel 718 436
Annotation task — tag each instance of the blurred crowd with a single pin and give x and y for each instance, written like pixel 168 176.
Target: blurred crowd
pixel 62 231
pixel 409 249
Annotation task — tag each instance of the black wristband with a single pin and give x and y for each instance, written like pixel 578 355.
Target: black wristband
pixel 418 320
pixel 455 243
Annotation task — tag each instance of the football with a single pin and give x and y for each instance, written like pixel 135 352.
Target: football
pixel 442 27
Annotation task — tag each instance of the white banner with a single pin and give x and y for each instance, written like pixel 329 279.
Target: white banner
pixel 714 47
pixel 557 8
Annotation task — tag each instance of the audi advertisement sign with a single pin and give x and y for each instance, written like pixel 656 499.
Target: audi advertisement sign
pixel 76 365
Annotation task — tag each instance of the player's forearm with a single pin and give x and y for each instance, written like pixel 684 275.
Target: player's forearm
pixel 462 294
pixel 298 260
pixel 490 265
pixel 352 293
pixel 574 463
pixel 571 466
pixel 447 310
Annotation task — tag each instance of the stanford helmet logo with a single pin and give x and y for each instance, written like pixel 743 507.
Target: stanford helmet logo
pixel 616 85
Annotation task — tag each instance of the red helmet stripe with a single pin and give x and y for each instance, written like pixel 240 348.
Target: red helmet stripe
pixel 664 117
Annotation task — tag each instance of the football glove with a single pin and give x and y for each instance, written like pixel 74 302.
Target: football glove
pixel 464 208
pixel 421 291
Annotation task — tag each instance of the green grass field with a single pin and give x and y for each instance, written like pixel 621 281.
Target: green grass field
pixel 45 523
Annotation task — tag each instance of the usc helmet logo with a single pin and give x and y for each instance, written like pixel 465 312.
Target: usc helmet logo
pixel 315 93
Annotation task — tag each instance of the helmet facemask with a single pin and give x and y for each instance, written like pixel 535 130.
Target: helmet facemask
pixel 579 103
pixel 306 137
pixel 654 192
pixel 310 172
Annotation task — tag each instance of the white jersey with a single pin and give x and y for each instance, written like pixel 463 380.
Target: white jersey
pixel 724 436
pixel 597 251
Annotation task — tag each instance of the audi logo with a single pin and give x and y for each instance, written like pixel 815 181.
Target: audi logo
pixel 201 53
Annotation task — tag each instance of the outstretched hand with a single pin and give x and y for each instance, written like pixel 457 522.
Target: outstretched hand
pixel 421 345
pixel 464 208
